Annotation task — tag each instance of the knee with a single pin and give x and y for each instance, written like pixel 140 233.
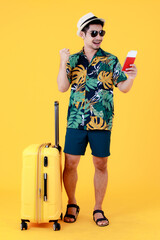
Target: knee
pixel 100 163
pixel 71 161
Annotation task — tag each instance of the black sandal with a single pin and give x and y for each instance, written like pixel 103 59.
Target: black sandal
pixel 100 219
pixel 70 215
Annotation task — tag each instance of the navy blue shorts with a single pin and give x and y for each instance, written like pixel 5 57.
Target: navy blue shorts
pixel 76 141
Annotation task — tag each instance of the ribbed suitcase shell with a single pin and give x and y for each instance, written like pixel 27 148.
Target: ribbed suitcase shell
pixel 50 209
pixel 36 206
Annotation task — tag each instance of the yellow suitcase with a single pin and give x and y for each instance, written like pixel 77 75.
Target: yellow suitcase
pixel 41 189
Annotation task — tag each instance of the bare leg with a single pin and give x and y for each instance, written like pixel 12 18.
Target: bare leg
pixel 100 185
pixel 70 178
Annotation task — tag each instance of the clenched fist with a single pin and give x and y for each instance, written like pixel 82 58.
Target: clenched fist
pixel 64 54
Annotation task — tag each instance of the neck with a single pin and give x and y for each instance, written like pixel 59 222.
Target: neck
pixel 90 51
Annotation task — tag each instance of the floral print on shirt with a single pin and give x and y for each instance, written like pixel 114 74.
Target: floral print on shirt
pixel 91 104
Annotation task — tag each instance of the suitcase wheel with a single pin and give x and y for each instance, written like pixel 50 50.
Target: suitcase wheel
pixel 56 226
pixel 24 225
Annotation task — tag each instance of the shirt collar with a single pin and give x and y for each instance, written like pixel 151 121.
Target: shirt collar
pixel 98 53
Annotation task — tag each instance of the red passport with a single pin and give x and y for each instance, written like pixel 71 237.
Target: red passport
pixel 131 56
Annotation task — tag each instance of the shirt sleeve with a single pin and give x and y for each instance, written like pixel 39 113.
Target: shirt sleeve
pixel 118 74
pixel 68 70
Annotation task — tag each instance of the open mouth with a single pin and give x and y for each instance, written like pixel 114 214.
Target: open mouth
pixel 97 43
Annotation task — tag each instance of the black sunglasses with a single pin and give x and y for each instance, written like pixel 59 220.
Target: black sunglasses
pixel 94 33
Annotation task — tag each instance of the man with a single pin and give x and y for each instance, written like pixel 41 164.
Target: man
pixel 92 74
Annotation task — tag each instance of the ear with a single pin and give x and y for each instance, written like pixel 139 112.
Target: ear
pixel 82 34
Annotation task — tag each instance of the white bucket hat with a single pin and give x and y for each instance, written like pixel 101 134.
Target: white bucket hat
pixel 83 21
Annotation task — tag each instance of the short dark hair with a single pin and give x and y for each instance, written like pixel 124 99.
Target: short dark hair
pixel 85 29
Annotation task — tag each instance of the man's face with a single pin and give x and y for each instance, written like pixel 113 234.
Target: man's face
pixel 92 42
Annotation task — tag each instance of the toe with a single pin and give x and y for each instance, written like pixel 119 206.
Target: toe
pixel 69 219
pixel 103 223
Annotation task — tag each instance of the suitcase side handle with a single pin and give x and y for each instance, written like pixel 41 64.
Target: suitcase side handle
pixel 45 187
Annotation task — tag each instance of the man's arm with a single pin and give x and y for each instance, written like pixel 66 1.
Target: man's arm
pixel 125 86
pixel 62 79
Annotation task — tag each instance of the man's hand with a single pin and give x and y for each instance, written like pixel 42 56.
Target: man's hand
pixel 126 85
pixel 62 79
pixel 132 71
pixel 64 54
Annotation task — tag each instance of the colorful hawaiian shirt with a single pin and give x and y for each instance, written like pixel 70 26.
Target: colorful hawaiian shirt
pixel 91 104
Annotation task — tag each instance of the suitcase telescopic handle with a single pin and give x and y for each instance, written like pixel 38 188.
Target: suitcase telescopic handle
pixel 56 107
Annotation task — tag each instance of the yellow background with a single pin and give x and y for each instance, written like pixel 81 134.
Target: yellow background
pixel 31 34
